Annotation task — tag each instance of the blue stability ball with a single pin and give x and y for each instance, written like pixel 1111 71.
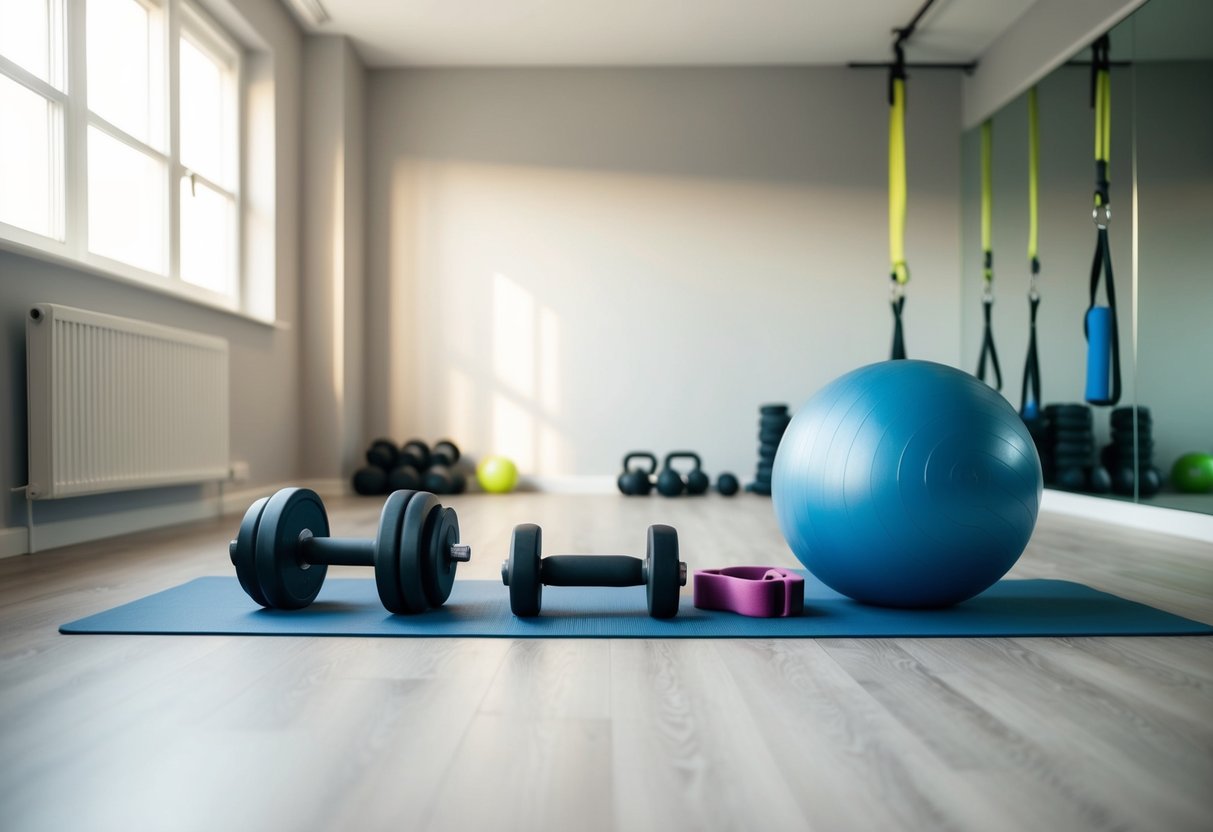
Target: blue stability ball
pixel 907 484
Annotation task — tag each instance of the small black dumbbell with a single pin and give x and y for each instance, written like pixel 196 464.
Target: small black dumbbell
pixel 526 573
pixel 370 480
pixel 445 453
pixel 382 454
pixel 283 550
pixel 414 453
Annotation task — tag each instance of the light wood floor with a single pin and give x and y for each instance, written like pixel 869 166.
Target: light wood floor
pixel 224 733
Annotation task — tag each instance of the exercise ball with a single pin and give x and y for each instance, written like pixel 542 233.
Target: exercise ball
pixel 497 474
pixel 907 484
pixel 1192 473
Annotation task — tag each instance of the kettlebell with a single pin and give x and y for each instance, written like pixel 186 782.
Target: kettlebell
pixel 637 482
pixel 671 483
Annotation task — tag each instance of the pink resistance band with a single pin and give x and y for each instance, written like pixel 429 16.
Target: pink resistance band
pixel 756 591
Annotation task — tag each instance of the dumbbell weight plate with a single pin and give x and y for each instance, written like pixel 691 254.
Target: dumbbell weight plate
pixel 438 570
pixel 286 581
pixel 522 570
pixel 244 553
pixel 662 567
pixel 414 541
pixel 387 546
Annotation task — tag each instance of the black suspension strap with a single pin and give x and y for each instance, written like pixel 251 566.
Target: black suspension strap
pixel 1029 393
pixel 988 350
pixel 1100 323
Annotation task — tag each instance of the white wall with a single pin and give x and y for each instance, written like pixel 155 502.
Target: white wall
pixel 565 264
pixel 265 381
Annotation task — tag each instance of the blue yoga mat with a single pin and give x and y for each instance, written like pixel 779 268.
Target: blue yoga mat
pixel 350 607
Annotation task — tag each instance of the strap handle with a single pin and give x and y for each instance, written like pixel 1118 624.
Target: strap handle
pixel 1029 391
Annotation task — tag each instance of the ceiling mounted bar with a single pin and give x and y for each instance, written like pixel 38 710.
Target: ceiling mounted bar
pixel 899 63
pixel 966 67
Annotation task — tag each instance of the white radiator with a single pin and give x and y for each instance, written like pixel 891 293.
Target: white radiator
pixel 116 403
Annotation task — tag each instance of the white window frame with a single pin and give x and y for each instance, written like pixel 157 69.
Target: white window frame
pixel 69 92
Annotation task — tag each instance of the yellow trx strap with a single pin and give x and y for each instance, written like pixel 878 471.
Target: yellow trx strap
pixel 899 272
pixel 1033 189
pixel 988 351
pixel 1029 391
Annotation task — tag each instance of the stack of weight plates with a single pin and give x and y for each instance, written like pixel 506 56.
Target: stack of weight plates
pixel 772 422
pixel 1127 449
pixel 1071 446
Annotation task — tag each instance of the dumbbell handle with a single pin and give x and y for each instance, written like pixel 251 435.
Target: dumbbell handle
pixel 354 551
pixel 337 551
pixel 592 570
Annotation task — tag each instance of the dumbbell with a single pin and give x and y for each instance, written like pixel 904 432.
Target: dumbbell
pixel 283 550
pixel 382 454
pixel 445 453
pixel 415 453
pixel 637 482
pixel 671 483
pixel 526 573
pixel 443 480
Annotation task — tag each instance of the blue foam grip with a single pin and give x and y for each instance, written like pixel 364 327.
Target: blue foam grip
pixel 1099 353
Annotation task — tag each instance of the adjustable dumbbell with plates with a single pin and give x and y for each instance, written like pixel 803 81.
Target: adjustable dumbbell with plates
pixel 671 483
pixel 283 550
pixel 526 573
pixel 637 482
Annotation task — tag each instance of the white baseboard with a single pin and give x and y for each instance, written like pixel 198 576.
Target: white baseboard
pixel 53 535
pixel 1190 524
pixel 579 484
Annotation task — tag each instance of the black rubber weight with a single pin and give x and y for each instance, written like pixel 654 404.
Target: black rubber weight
pixel 287 582
pixel 526 590
pixel 770 409
pixel 663 586
pixel 1066 409
pixel 244 553
pixel 414 541
pixel 769 438
pixel 759 488
pixel 387 560
pixel 438 568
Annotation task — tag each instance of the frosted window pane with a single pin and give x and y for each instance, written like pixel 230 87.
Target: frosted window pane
pixel 25 35
pixel 126 203
pixel 208 238
pixel 205 117
pixel 126 67
pixel 27 160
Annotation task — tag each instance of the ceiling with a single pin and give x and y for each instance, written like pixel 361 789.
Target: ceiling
pixel 657 32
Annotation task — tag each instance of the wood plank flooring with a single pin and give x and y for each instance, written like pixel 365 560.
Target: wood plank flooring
pixel 226 733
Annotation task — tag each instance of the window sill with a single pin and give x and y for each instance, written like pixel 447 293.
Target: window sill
pixel 47 252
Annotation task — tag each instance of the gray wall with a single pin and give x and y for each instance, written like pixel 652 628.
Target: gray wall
pixel 332 302
pixel 264 379
pixel 567 264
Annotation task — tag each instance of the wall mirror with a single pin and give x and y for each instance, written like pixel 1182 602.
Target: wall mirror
pixel 1161 245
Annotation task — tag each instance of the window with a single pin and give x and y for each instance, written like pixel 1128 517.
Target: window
pixel 120 140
